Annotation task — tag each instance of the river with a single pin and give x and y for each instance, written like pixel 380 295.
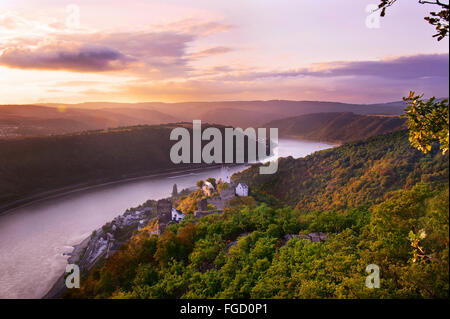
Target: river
pixel 33 238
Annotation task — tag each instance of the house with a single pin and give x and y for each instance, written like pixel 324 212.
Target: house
pixel 177 215
pixel 242 189
pixel 208 188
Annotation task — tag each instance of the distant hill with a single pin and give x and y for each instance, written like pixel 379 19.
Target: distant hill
pixel 337 127
pixel 286 107
pixel 50 119
pixel 264 111
pixel 36 120
pixel 236 117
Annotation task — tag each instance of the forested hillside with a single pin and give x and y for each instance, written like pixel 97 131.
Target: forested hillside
pixel 29 166
pixel 378 201
pixel 37 165
pixel 337 127
pixel 350 175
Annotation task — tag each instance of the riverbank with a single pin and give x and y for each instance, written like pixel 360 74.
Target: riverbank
pixel 59 287
pixel 4 209
pixel 104 241
pixel 55 193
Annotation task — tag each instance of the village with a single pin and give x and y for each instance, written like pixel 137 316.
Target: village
pixel 215 198
pixel 104 241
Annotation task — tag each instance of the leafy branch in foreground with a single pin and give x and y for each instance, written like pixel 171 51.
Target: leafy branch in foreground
pixel 428 122
pixel 439 19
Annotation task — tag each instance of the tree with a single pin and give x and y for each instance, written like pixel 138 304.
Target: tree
pixel 211 180
pixel 174 190
pixel 438 19
pixel 200 184
pixel 428 121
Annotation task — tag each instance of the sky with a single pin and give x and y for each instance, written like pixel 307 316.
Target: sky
pixel 202 50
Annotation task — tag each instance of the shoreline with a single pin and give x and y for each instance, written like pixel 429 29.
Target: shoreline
pixel 59 286
pixel 62 191
pixel 7 208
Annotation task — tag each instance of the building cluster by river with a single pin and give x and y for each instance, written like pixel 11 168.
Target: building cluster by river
pixel 104 241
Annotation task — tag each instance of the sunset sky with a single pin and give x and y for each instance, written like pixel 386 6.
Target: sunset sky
pixel 205 50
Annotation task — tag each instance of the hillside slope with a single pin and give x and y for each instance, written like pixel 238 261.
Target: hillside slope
pixel 391 200
pixel 30 166
pixel 350 175
pixel 336 127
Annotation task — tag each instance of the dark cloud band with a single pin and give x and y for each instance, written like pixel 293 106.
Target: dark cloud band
pixel 83 59
pixel 406 67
